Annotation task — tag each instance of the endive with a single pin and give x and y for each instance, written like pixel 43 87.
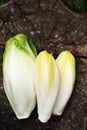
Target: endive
pixel 46 84
pixel 18 66
pixel 66 65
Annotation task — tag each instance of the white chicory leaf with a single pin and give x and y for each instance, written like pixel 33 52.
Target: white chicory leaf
pixel 67 69
pixel 46 84
pixel 18 71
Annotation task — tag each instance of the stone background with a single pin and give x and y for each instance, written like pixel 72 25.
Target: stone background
pixel 51 26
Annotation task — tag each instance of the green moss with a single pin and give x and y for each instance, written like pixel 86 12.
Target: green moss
pixel 3 1
pixel 76 5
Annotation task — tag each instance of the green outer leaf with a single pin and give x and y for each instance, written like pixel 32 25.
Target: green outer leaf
pixel 20 41
pixel 33 48
pixel 11 43
pixel 23 42
pixel 76 5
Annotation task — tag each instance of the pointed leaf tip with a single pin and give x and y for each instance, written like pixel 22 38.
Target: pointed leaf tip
pixel 67 68
pixel 46 80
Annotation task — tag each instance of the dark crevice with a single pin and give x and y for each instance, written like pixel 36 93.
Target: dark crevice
pixel 39 5
pixel 77 56
pixel 54 4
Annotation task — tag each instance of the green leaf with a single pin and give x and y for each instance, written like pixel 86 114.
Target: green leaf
pixel 33 48
pixel 76 5
pixel 20 42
